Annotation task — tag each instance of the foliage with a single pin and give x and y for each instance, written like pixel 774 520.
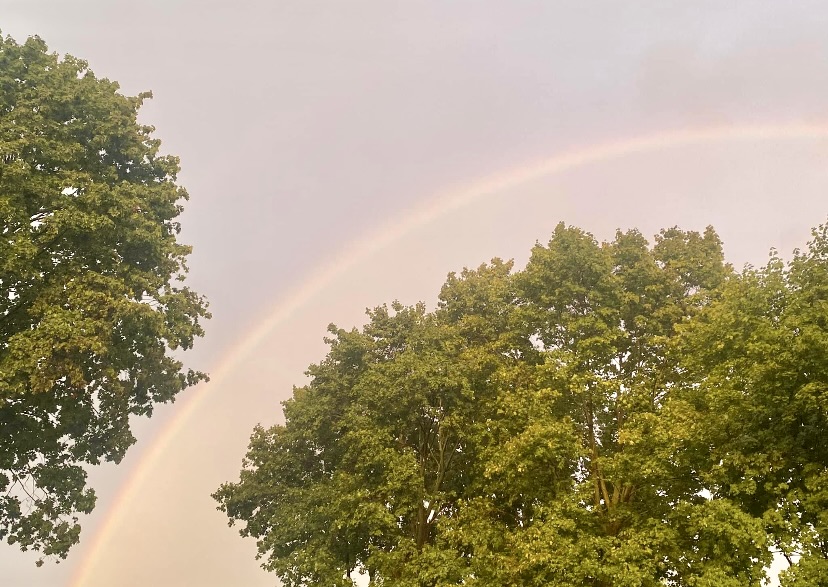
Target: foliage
pixel 89 307
pixel 615 414
pixel 759 355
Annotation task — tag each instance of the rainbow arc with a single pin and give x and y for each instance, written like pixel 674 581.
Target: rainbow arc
pixel 437 206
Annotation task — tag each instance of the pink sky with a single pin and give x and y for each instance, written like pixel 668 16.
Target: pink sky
pixel 307 130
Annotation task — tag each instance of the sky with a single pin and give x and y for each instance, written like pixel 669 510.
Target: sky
pixel 340 155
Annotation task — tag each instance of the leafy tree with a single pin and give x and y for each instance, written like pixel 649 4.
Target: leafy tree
pixel 608 501
pixel 89 310
pixel 614 414
pixel 377 447
pixel 758 356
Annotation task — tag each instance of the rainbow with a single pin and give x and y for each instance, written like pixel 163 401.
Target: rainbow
pixel 440 204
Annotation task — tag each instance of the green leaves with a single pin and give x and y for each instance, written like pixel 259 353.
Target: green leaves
pixel 88 315
pixel 614 414
pixel 758 354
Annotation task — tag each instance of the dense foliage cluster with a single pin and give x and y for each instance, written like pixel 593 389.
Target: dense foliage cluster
pixel 88 306
pixel 615 414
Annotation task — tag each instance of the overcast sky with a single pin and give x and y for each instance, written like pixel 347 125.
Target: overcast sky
pixel 306 128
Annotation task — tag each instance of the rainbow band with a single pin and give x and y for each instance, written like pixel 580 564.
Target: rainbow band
pixel 437 206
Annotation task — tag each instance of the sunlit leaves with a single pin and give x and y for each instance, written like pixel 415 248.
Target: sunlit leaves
pixel 615 414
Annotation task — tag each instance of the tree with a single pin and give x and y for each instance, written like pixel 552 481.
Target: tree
pixel 594 419
pixel 758 357
pixel 379 445
pixel 90 309
pixel 595 489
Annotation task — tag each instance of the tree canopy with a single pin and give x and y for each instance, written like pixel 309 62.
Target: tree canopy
pixel 614 414
pixel 90 270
